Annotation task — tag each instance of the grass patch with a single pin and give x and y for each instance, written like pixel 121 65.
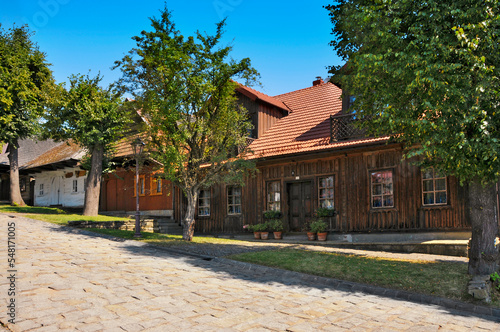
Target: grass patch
pixel 443 279
pixel 164 240
pixel 53 215
pixel 30 209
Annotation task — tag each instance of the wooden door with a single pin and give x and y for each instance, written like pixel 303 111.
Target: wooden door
pixel 299 204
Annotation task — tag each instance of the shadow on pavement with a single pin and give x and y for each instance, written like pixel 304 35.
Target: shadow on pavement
pixel 227 268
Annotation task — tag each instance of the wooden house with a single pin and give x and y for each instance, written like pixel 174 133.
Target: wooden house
pixel 118 190
pixel 309 155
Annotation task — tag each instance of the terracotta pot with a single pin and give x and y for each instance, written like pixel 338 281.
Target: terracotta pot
pixel 322 236
pixel 256 235
pixel 264 235
pixel 311 236
pixel 277 235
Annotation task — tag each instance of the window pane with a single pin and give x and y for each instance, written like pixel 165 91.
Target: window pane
pixel 230 209
pixel 377 189
pixel 441 184
pixel 376 177
pixel 237 191
pixel 428 185
pixel 429 198
pixel 377 201
pixel 330 193
pixel 427 173
pixel 277 196
pixel 388 201
pixel 237 209
pixel 237 200
pixel 441 197
pixel 322 193
pixel 388 189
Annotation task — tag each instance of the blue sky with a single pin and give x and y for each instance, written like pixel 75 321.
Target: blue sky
pixel 287 41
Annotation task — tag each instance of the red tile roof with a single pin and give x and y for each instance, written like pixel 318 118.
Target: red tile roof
pixel 307 127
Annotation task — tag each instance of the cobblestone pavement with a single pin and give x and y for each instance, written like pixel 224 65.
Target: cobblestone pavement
pixel 74 281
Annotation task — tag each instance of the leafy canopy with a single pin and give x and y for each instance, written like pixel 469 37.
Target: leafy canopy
pixel 185 89
pixel 24 78
pixel 87 113
pixel 429 72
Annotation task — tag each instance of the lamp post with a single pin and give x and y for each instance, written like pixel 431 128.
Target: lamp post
pixel 137 147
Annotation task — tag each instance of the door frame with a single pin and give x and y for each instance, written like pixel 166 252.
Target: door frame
pixel 286 200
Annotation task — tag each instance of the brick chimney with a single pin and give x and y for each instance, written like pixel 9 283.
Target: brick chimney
pixel 318 81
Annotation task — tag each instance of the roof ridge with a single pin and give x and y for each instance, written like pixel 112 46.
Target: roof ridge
pixel 303 89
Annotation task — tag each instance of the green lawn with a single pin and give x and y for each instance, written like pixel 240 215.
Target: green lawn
pixel 444 279
pixel 53 215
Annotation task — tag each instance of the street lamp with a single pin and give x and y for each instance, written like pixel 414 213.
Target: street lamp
pixel 137 147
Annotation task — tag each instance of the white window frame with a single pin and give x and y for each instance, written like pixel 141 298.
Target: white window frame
pixel 204 203
pixel 384 185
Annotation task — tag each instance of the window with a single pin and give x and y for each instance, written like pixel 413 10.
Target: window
pixel 156 185
pixel 382 189
pixel 204 203
pixel 233 200
pixel 40 191
pixel 274 196
pixel 141 186
pixel 325 187
pixel 434 190
pixel 75 186
pixel 22 184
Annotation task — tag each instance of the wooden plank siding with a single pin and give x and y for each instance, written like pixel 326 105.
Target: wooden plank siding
pixel 117 192
pixel 351 195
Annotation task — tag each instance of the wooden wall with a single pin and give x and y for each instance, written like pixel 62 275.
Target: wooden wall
pixel 262 115
pixel 117 193
pixel 352 195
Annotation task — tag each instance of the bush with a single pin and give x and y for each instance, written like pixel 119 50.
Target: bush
pixel 318 226
pixel 275 225
pixel 272 214
pixel 325 212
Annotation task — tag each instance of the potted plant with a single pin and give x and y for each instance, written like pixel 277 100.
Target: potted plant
pixel 325 212
pixel 264 231
pixel 254 229
pixel 307 228
pixel 319 227
pixel 276 226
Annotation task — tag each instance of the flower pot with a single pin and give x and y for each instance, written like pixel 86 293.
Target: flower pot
pixel 277 235
pixel 264 235
pixel 322 236
pixel 311 236
pixel 256 235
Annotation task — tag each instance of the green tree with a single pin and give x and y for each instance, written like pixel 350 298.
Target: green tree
pixel 184 88
pixel 94 118
pixel 24 77
pixel 428 71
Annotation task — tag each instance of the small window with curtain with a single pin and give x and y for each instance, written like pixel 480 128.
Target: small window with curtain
pixel 156 185
pixel 325 192
pixel 141 186
pixel 204 203
pixel 434 189
pixel 382 191
pixel 234 200
pixel 274 196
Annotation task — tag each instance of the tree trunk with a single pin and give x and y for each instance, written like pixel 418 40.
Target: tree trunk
pixel 15 191
pixel 483 216
pixel 93 188
pixel 188 221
